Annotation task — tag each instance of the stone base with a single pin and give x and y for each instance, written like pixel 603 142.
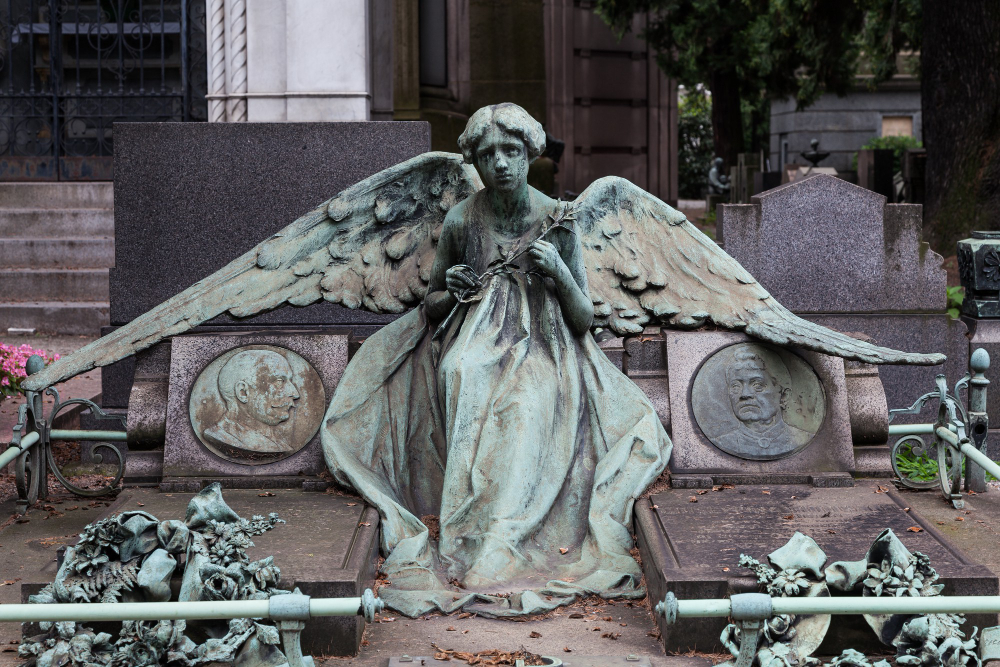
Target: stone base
pixel 196 484
pixel 327 548
pixel 692 548
pixel 821 480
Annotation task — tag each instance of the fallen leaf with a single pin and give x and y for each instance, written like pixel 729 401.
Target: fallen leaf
pixel 441 655
pixel 140 504
pixel 576 614
pixel 655 507
pixel 881 489
pixel 940 523
pixel 766 493
pixel 535 635
pixel 611 635
pixel 450 628
pixel 466 614
pixel 832 532
pixel 563 550
pixel 725 569
pixel 788 517
pixel 624 625
pixel 598 629
pixel 692 499
pixel 607 618
pixel 364 523
pixel 703 492
pixel 465 632
pixel 266 494
pixel 351 504
pixel 906 509
pixel 567 649
pixel 915 529
pixel 973 493
pixel 959 518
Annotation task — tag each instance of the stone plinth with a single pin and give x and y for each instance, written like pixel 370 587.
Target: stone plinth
pixel 692 548
pixel 230 444
pixel 705 437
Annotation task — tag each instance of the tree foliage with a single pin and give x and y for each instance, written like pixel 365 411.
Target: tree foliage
pixel 749 50
pixel 695 148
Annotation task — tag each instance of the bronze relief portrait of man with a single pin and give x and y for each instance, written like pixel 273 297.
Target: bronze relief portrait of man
pixel 257 404
pixel 758 402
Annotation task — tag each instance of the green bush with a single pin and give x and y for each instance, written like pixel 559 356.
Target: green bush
pixel 956 295
pixel 898 146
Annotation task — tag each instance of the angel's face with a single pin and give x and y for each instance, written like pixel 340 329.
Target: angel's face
pixel 502 160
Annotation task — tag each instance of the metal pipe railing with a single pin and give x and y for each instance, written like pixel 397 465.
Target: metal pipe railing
pixel 14 451
pixel 159 611
pixel 914 429
pixel 970 450
pixel 672 608
pixel 66 434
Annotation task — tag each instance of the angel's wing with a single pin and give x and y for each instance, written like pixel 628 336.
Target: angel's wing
pixel 372 245
pixel 647 264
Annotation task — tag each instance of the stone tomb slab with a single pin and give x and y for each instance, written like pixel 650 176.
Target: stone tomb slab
pixel 245 409
pixel 802 395
pixel 692 548
pixel 328 547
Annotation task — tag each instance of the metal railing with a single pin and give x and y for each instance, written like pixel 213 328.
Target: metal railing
pixel 290 612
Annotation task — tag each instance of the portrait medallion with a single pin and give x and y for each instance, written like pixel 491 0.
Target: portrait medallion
pixel 257 404
pixel 758 402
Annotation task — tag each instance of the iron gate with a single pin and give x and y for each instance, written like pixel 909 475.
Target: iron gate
pixel 70 69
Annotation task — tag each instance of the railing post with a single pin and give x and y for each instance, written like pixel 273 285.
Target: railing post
pixel 979 421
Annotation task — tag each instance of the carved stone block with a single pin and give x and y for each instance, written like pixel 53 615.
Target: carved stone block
pixel 249 405
pixel 749 412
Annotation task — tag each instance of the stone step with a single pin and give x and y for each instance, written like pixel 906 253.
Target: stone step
pixel 80 318
pixel 64 253
pixel 56 223
pixel 57 195
pixel 55 284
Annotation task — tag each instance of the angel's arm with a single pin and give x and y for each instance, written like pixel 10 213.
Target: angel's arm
pixel 440 300
pixel 562 260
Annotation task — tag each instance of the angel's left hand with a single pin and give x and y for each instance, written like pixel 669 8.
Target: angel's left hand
pixel 547 258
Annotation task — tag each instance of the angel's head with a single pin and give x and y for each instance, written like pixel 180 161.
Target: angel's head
pixel 501 141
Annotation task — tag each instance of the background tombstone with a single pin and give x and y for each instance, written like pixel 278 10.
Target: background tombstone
pixel 838 255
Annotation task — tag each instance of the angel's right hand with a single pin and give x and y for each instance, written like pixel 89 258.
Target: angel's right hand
pixel 460 278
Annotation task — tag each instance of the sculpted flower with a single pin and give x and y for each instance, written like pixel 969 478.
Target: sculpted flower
pixel 788 583
pixel 880 577
pixel 220 586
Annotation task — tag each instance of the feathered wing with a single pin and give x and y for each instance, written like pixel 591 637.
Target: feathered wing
pixel 371 246
pixel 647 264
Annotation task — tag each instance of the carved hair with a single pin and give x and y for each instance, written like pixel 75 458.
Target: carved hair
pixel 242 366
pixel 508 117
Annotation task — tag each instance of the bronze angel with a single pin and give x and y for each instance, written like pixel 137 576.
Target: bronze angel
pixel 489 406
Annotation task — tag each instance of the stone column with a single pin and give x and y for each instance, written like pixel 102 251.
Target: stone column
pixel 300 60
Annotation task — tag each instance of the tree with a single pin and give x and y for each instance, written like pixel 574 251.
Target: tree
pixel 960 96
pixel 746 51
pixel 694 147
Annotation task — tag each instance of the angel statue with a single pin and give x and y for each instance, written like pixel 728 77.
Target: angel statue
pixel 488 408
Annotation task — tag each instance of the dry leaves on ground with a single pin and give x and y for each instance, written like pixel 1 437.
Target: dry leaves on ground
pixel 489 658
